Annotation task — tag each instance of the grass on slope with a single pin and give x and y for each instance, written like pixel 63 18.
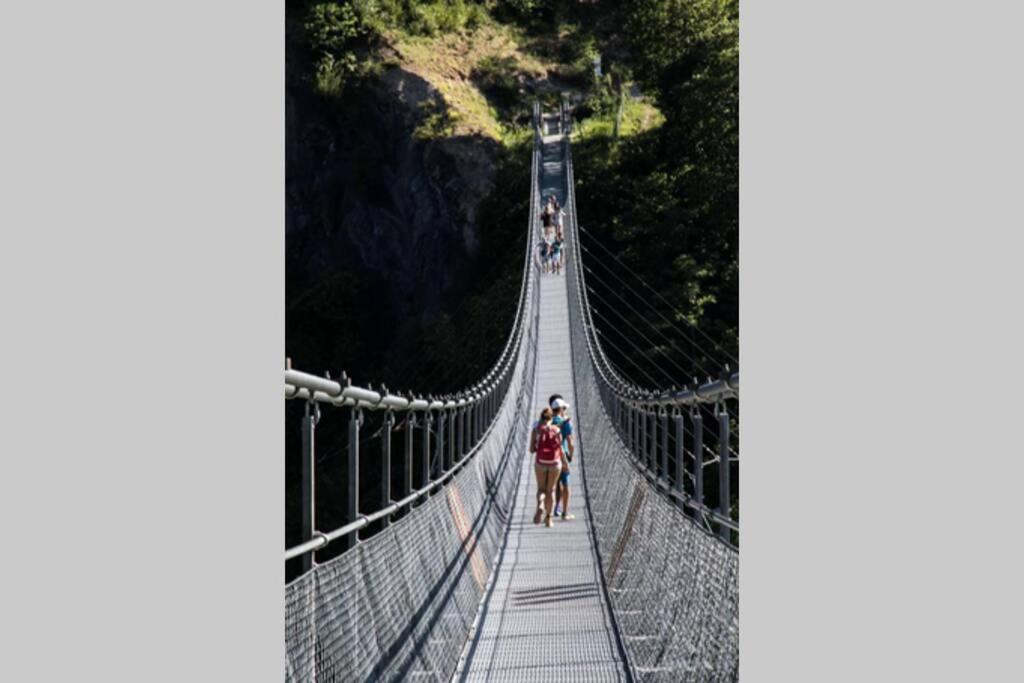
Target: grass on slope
pixel 484 75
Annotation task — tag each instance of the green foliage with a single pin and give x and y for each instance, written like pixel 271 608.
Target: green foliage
pixel 333 32
pixel 688 55
pixel 519 8
pixel 446 16
pixel 437 121
pixel 498 78
pixel 332 27
pixel 578 57
pixel 666 200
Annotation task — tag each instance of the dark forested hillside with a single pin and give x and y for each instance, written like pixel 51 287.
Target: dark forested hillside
pixel 665 201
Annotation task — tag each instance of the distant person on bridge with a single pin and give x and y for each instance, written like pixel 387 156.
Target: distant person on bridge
pixel 544 255
pixel 546 442
pixel 558 216
pixel 556 255
pixel 560 410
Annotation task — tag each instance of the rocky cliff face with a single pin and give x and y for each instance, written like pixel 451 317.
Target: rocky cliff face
pixel 366 194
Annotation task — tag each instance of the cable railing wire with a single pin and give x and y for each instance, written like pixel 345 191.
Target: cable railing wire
pixel 658 294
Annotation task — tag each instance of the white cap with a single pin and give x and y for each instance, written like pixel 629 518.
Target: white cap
pixel 559 403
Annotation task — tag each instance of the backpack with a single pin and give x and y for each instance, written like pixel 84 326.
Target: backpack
pixel 549 444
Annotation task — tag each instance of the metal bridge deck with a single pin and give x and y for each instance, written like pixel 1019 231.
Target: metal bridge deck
pixel 546 617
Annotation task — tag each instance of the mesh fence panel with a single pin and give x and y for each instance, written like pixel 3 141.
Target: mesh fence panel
pixel 674 588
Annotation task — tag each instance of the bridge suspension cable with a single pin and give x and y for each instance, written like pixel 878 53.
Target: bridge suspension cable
pixel 697 364
pixel 636 347
pixel 673 381
pixel 660 296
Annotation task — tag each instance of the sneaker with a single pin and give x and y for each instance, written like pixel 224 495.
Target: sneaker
pixel 567 516
pixel 537 515
pixel 549 523
pixel 558 510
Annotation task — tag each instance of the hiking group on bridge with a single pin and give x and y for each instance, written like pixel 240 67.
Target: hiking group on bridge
pixel 554 445
pixel 550 247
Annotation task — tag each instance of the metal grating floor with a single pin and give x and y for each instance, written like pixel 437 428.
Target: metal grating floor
pixel 546 617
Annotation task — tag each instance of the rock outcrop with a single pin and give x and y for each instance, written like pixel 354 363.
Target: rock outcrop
pixel 366 193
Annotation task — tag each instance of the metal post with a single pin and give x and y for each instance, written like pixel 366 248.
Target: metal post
pixel 643 437
pixel 425 455
pixel 457 421
pixel 698 455
pixel 628 427
pixel 467 422
pixel 680 469
pixel 452 416
pixel 480 407
pixel 481 414
pixel 309 422
pixel 664 445
pixel 723 468
pixel 652 445
pixel 635 439
pixel 442 432
pixel 385 464
pixel 355 421
pixel 410 426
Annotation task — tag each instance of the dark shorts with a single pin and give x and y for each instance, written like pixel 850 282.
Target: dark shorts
pixel 564 479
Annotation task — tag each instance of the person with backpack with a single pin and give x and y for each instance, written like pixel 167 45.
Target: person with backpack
pixel 555 256
pixel 560 412
pixel 546 443
pixel 544 252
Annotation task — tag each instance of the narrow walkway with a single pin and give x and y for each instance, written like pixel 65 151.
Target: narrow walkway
pixel 547 619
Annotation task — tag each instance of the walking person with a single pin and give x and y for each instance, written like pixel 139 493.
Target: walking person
pixel 544 254
pixel 546 442
pixel 555 255
pixel 558 219
pixel 560 419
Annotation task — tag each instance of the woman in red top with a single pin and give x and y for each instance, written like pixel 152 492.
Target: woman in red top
pixel 546 442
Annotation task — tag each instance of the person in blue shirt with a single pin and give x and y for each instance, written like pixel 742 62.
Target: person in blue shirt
pixel 556 256
pixel 560 408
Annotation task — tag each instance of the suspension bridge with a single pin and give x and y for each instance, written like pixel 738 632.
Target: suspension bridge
pixel 458 583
